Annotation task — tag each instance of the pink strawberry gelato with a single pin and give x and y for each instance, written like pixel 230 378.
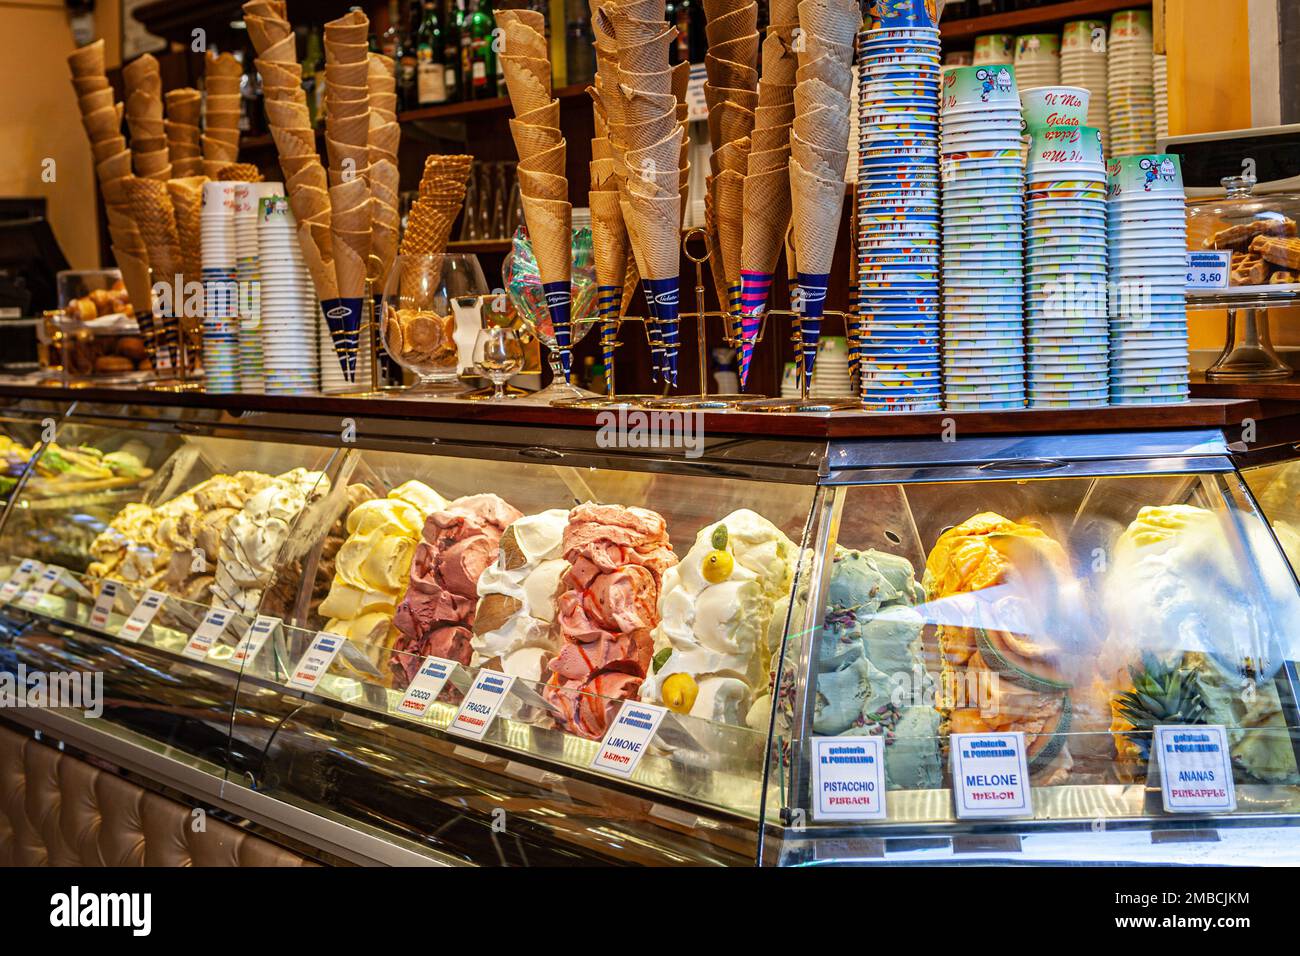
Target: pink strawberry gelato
pixel 437 615
pixel 606 611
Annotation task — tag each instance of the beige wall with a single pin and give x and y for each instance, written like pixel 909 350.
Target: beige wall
pixel 39 119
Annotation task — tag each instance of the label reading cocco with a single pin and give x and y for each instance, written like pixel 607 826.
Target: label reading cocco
pixel 481 704
pixel 990 776
pixel 18 580
pixel 253 639
pixel 311 667
pixel 206 634
pixel 426 686
pixel 848 775
pixel 41 586
pixel 1208 270
pixel 108 592
pixel 627 738
pixel 143 614
pixel 1195 768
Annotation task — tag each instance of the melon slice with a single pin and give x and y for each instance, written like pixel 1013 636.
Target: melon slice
pixel 1003 653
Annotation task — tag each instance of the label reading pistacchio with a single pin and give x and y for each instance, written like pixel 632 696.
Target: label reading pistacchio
pixel 108 592
pixel 253 639
pixel 425 687
pixel 206 634
pixel 481 704
pixel 848 777
pixel 990 775
pixel 312 666
pixel 41 586
pixel 134 627
pixel 628 737
pixel 18 580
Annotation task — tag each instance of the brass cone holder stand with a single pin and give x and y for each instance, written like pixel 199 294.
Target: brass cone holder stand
pixel 805 402
pixel 611 398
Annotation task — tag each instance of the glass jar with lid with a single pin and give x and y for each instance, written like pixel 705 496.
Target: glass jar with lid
pixel 1260 231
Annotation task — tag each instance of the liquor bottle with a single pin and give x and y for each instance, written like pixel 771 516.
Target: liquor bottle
pixel 431 80
pixel 579 45
pixel 390 40
pixel 683 22
pixel 455 54
pixel 313 74
pixel 408 60
pixel 482 77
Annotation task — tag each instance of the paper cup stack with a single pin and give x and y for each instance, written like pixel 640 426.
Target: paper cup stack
pixel 1147 231
pixel 1038 59
pixel 898 215
pixel 289 310
pixel 1160 79
pixel 542 149
pixel 1083 64
pixel 101 116
pixel 993 49
pixel 983 235
pixel 220 139
pixel 221 319
pixel 248 197
pixel 819 151
pixel 1065 252
pixel 1132 98
pixel 766 192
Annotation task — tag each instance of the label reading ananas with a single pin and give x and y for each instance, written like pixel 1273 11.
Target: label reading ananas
pixel 1195 768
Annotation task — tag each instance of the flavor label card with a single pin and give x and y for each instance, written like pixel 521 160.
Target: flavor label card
pixel 206 634
pixel 40 587
pixel 253 639
pixel 1209 270
pixel 1195 768
pixel 311 667
pixel 990 775
pixel 848 778
pixel 426 686
pixel 481 704
pixel 628 737
pixel 134 627
pixel 18 580
pixel 108 592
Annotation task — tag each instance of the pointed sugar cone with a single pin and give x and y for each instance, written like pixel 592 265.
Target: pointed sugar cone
pixel 550 227
pixel 88 60
pixel 98 100
pixel 548 115
pixel 730 121
pixel 608 238
pixel 816 207
pixel 531 18
pixel 530 140
pixel 658 224
pixel 542 185
pixel 729 191
pixel 522 40
pixel 738 22
pixel 633 82
pixel 767 217
pixel 835 20
pixel 551 161
pixel 823 163
pixel 823 128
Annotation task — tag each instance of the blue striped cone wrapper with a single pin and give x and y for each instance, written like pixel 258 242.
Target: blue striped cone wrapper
pixel 654 335
pixel 754 290
pixel 343 316
pixel 559 298
pixel 853 331
pixel 812 304
pixel 609 302
pixel 733 311
pixel 665 293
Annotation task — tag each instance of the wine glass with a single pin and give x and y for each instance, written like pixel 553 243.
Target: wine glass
pixel 430 313
pixel 499 356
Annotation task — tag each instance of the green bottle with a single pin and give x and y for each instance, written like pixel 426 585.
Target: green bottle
pixel 483 58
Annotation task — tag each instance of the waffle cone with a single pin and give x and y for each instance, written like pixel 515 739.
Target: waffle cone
pixel 346 159
pixel 733 155
pixel 729 214
pixel 304 171
pixel 634 82
pixel 815 94
pixel 530 18
pixel 99 99
pixel 352 130
pixel 288 115
pixel 528 82
pixel 743 49
pixel 829 71
pixel 748 99
pixel 107 148
pixel 291 142
pixel 102 123
pixel 773 137
pixel 637 135
pixel 766 160
pixel 522 40
pixel 737 22
pixel 543 185
pixel 825 163
pixel 530 140
pixel 642 9
pixel 767 217
pixel 642 107
pixel 724 73
pixel 730 121
pixel 114 167
pixel 87 60
pixel 187 205
pixel 550 161
pixel 352 75
pixel 550 228
pixel 772 96
pixel 658 226
pixel 836 20
pixel 662 155
pixel 352 27
pixel 276 74
pixel 647 56
pixel 609 243
pixel 823 128
pixel 85 85
pixel 681 81
pixel 816 207
pixel 239 173
pixel 135 276
pixel 779 59
pixel 154 164
pixel 783 13
pixel 183 105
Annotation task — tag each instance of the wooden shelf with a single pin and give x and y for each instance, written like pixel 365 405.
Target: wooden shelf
pixel 1047 15
pixel 1281 390
pixel 483 246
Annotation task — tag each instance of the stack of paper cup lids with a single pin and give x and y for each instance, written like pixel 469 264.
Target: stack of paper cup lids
pixel 1160 79
pixel 1147 234
pixel 993 49
pixel 1066 329
pixel 1083 64
pixel 983 234
pixel 831 377
pixel 898 210
pixel 288 302
pixel 1131 94
pixel 220 288
pixel 1038 60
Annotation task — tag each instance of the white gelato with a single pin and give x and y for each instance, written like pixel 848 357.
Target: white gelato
pixel 717 632
pixel 516 606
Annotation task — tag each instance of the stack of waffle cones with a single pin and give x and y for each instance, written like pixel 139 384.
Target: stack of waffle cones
pixel 239 173
pixel 646 115
pixel 182 130
pixel 382 138
pixel 731 92
pixel 186 195
pixel 144 117
pixel 441 197
pixel 819 151
pixel 543 182
pixel 220 138
pixel 765 194
pixel 286 112
pixel 101 116
pixel 347 141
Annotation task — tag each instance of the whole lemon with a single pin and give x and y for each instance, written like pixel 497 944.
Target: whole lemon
pixel 680 691
pixel 717 566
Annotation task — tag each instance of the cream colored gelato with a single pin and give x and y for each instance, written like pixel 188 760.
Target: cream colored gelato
pixel 715 607
pixel 513 623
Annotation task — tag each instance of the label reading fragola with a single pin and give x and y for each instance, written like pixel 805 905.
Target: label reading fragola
pixel 311 667
pixel 848 778
pixel 18 580
pixel 481 704
pixel 627 738
pixel 1195 768
pixel 990 775
pixel 253 639
pixel 206 634
pixel 41 586
pixel 426 686
pixel 108 592
pixel 1209 270
pixel 143 614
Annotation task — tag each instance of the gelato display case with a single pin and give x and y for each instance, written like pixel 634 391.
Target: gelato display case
pixel 405 639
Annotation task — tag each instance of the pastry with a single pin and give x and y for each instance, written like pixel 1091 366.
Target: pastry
pixel 1248 268
pixel 1281 252
pixel 1242 236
